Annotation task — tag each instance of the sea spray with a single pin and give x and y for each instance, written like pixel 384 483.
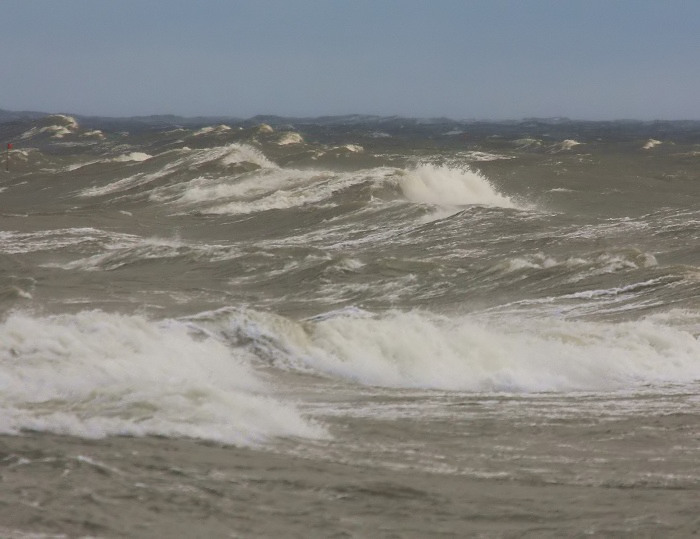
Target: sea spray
pixel 446 186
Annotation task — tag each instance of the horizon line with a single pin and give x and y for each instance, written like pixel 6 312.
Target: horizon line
pixel 554 118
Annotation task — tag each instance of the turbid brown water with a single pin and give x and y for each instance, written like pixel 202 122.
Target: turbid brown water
pixel 350 330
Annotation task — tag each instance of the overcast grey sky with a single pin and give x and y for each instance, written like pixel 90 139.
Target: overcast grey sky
pixel 488 59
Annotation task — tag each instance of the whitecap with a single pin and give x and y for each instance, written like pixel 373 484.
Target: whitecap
pixel 422 350
pixel 290 138
pixel 95 374
pixel 445 186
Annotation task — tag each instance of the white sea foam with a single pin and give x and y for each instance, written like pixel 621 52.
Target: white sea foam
pixel 14 242
pixel 124 249
pixel 651 143
pixel 354 148
pixel 119 185
pixel 55 131
pixel 187 159
pixel 339 151
pixel 538 261
pixel 133 156
pixel 290 138
pixel 267 189
pixel 95 374
pixel 278 189
pixel 595 264
pixel 96 133
pixel 264 129
pixel 125 158
pixel 22 155
pixel 523 143
pixel 215 129
pixel 484 156
pixel 567 144
pixel 420 350
pixel 445 186
pixel 76 166
pixel 237 153
pixel 65 120
pixel 350 264
pixel 59 126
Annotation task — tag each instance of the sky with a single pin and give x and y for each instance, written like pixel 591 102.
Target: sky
pixel 463 59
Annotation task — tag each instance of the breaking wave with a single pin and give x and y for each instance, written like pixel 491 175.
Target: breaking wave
pixel 421 350
pixel 445 186
pixel 267 189
pixel 187 160
pixel 95 374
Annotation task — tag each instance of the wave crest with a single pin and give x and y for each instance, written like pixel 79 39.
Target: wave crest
pixel 95 374
pixel 446 186
pixel 420 350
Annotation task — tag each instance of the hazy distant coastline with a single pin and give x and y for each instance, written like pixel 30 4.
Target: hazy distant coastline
pixel 559 128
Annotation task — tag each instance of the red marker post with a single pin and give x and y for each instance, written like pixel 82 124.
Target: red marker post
pixel 7 157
